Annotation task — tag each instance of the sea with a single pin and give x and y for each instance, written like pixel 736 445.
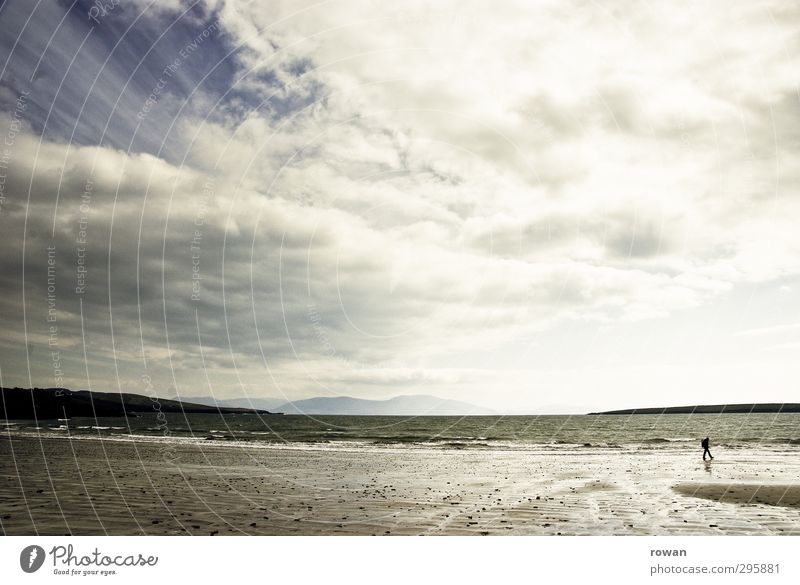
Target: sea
pixel 667 431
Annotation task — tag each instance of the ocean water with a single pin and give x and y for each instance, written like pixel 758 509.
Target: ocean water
pixel 734 431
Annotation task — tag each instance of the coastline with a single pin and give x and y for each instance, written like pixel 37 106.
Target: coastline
pixel 96 486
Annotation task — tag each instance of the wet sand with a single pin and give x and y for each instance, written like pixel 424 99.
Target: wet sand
pixel 744 493
pixel 92 486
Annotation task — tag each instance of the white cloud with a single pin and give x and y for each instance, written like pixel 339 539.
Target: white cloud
pixel 447 178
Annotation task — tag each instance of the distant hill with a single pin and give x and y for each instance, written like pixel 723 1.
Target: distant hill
pixel 50 403
pixel 416 405
pixel 713 409
pixel 267 403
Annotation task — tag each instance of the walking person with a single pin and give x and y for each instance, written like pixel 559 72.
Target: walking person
pixel 704 445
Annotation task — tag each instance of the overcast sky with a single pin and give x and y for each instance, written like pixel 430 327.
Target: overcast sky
pixel 533 206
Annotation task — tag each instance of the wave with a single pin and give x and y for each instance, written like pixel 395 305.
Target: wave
pixel 326 438
pixel 98 428
pixel 469 445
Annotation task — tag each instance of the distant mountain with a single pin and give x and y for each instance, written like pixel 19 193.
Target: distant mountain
pixel 417 405
pixel 266 403
pixel 50 403
pixel 771 407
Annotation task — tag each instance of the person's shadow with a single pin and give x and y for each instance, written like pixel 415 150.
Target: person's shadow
pixel 707 466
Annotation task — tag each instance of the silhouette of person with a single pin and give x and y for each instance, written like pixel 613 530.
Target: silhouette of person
pixel 704 445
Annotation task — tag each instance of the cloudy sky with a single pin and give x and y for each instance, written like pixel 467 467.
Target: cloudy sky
pixel 535 207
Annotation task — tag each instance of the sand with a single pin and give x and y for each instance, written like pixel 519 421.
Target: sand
pixel 744 493
pixel 91 486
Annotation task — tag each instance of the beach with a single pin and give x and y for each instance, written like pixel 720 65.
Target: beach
pixel 138 486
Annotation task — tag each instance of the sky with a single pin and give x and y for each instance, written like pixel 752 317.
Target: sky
pixel 534 207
